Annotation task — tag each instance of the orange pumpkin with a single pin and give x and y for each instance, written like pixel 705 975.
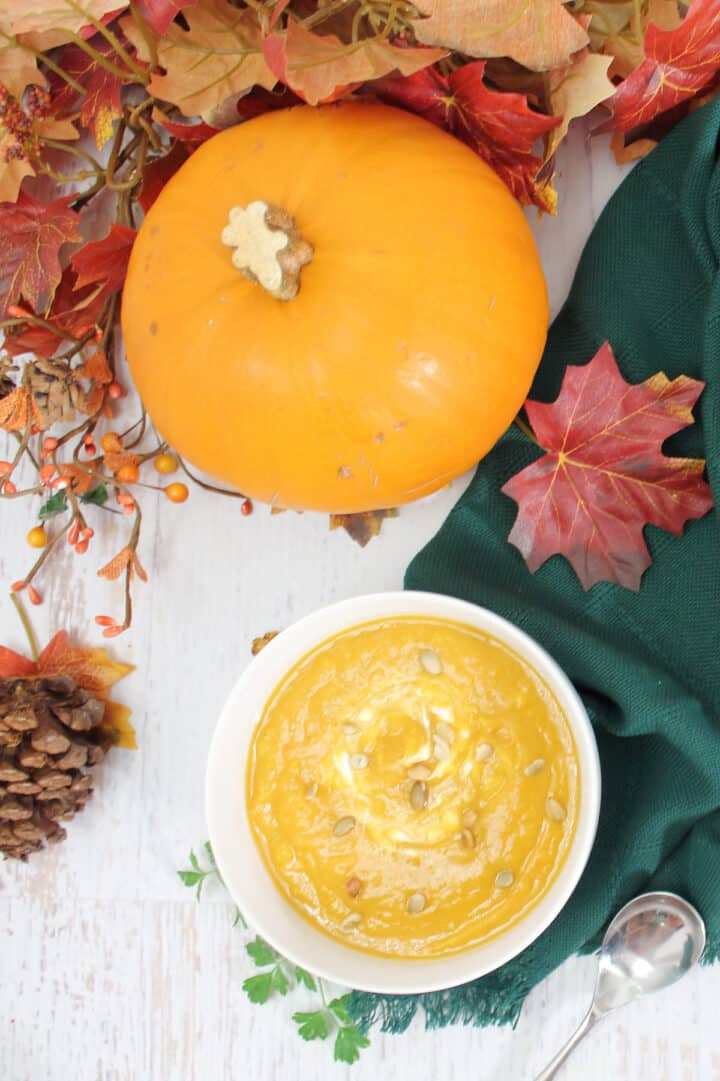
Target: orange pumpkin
pixel 337 309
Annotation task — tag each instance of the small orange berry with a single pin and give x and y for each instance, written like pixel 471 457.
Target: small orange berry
pixel 73 533
pixel 18 587
pixel 166 463
pixel 177 493
pixel 37 537
pixel 47 472
pixel 116 390
pixel 246 507
pixel 87 533
pixel 128 508
pixel 105 621
pixel 60 482
pixel 50 444
pixel 114 631
pixel 111 443
pixel 34 596
pixel 6 469
pixel 125 498
pixel 81 547
pixel 128 474
pixel 9 487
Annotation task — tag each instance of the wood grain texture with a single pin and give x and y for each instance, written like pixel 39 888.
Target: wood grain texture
pixel 109 971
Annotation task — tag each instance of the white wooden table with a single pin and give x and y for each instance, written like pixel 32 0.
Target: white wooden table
pixel 109 971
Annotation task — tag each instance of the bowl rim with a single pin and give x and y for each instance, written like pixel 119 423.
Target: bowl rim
pixel 238 859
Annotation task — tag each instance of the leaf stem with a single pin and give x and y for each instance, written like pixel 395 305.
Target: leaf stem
pixel 526 429
pixel 27 626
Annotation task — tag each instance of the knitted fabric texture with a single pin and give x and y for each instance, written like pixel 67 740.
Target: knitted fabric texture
pixel 646 664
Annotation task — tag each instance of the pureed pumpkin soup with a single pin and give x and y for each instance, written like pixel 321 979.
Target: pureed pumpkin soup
pixel 413 787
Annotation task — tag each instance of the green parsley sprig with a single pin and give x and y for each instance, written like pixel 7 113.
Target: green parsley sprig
pixel 279 976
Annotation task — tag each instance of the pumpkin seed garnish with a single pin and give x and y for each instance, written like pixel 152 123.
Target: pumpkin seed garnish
pixel 446 732
pixel 344 825
pixel 431 662
pixel 359 761
pixel 354 886
pixel 350 921
pixel 468 817
pixel 503 879
pixel 311 790
pixel 483 751
pixel 418 795
pixel 555 810
pixel 441 749
pixel 421 771
pixel 350 729
pixel 416 903
pixel 468 838
pixel 534 767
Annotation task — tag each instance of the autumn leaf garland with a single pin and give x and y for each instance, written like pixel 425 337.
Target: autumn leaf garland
pixel 101 101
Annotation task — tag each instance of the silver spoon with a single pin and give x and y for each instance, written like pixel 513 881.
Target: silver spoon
pixel 653 941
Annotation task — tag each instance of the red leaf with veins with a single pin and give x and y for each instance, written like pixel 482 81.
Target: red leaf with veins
pixel 13 665
pixel 678 64
pixel 72 312
pixel 159 171
pixel 99 104
pixel 160 13
pixel 603 476
pixel 104 262
pixel 31 236
pixel 500 127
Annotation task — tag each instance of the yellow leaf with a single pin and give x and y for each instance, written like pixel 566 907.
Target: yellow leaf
pixel 117 721
pixel 539 34
pixel 220 54
pixel 320 67
pixel 18 66
pixel 576 90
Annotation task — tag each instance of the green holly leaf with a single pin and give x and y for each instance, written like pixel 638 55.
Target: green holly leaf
pixel 98 495
pixel 348 1044
pixel 306 979
pixel 313 1026
pixel 56 504
pixel 258 988
pixel 339 1008
pixel 261 953
pixel 280 981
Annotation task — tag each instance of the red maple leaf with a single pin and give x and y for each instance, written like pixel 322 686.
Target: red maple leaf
pixel 104 262
pixel 72 312
pixel 31 236
pixel 603 477
pixel 678 64
pixel 99 101
pixel 157 173
pixel 160 13
pixel 500 127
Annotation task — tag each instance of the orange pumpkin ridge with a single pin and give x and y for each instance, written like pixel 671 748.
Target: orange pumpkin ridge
pixel 409 322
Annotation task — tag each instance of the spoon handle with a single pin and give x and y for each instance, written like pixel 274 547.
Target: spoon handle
pixel 584 1027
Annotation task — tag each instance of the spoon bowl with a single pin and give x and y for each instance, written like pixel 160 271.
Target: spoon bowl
pixel 650 944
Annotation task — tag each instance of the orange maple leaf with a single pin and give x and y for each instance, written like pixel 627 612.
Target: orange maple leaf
pixel 113 461
pixel 97 369
pixel 17 408
pixel 126 557
pixel 92 669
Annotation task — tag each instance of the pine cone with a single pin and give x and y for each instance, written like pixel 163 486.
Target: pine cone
pixel 50 729
pixel 55 388
pixel 7 384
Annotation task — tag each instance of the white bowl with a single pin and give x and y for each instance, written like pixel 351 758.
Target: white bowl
pixel 238 858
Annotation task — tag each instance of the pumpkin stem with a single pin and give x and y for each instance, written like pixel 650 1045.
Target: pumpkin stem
pixel 269 248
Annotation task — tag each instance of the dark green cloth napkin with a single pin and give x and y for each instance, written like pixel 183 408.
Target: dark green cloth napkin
pixel 647 664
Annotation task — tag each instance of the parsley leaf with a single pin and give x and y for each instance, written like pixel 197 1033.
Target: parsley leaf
pixel 348 1044
pixel 313 1026
pixel 191 878
pixel 280 981
pixel 261 953
pixel 258 988
pixel 339 1008
pixel 305 979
